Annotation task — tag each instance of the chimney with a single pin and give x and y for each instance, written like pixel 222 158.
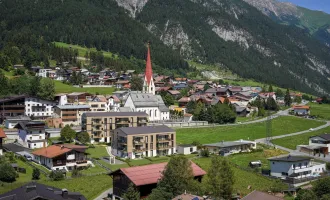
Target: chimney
pixel 185 192
pixel 62 147
pixel 65 193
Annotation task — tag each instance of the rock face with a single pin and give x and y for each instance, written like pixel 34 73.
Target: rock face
pixel 133 6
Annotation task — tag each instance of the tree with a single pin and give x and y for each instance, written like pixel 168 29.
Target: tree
pixel 177 177
pixel 271 104
pixel 36 174
pixel 279 92
pixel 136 83
pixel 131 193
pixel 190 107
pixel 306 195
pixel 322 187
pixel 4 84
pixel 67 133
pixel 261 112
pixel 34 85
pixel 270 88
pixel 47 89
pixel 223 114
pixel 226 101
pixel 297 99
pixel 287 98
pixel 220 178
pixel 83 137
pixel 167 98
pixel 7 173
pixel 206 87
pixel 56 175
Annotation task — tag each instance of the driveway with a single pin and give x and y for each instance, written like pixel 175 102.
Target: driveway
pixel 104 194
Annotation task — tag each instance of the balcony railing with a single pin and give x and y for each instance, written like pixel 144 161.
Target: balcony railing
pixel 164 147
pixel 136 142
pixel 139 150
pixel 122 122
pixel 163 139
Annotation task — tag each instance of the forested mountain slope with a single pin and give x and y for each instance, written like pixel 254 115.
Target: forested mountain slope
pixel 317 23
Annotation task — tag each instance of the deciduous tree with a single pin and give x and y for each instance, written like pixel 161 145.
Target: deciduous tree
pixel 83 137
pixel 47 89
pixel 67 133
pixel 136 83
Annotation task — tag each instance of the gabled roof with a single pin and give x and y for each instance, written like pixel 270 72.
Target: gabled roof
pixel 301 107
pixel 325 136
pixel 2 133
pixel 34 190
pixel 146 130
pixel 257 195
pixel 173 92
pixel 290 158
pixel 73 106
pixel 115 98
pixel 57 150
pixel 151 174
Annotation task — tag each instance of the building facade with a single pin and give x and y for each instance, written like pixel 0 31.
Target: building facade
pixel 12 106
pixel 38 108
pixel 99 125
pixel 31 134
pixel 147 141
pixel 225 148
pixel 71 114
pixel 2 137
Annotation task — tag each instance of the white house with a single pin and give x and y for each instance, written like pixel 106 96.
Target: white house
pixel 31 134
pixel 318 145
pixel 113 103
pixel 291 167
pixel 186 149
pixel 62 157
pixel 38 108
pixel 152 104
pixel 44 72
pixel 11 122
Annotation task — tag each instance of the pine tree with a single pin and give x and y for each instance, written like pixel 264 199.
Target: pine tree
pixel 287 98
pixel 46 89
pixel 220 178
pixel 131 193
pixel 270 89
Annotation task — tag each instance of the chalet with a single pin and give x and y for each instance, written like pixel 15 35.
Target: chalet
pixel 79 97
pixel 38 108
pixel 31 134
pixel 220 92
pixel 225 148
pixel 34 190
pixel 113 103
pixel 295 169
pixel 62 157
pixel 12 106
pixel 234 90
pixel 174 93
pixel 2 136
pixel 180 86
pixel 98 104
pixel 144 178
pixel 184 101
pixel 301 110
pixel 179 80
pixel 123 84
pixel 161 89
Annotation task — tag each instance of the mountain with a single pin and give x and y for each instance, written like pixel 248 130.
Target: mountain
pixel 317 23
pixel 237 36
pixel 229 33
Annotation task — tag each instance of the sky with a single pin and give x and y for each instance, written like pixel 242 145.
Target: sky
pixel 322 5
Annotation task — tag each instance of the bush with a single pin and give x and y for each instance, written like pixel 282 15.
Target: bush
pixel 56 175
pixel 22 158
pixel 327 166
pixel 7 173
pixel 205 153
pixel 76 173
pixel 36 174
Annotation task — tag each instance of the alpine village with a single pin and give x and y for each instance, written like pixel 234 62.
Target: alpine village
pixel 164 100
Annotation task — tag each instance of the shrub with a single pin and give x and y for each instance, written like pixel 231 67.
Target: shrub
pixel 7 173
pixel 205 153
pixel 56 175
pixel 327 166
pixel 76 173
pixel 36 174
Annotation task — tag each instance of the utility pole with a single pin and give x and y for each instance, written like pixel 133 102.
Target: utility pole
pixel 269 128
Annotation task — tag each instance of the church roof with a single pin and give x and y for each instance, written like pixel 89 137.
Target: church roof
pixel 148 72
pixel 148 100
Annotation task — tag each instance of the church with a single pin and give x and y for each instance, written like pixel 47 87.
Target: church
pixel 147 101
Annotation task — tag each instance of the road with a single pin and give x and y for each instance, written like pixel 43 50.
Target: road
pixel 104 194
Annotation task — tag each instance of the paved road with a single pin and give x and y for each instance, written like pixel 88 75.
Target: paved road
pixel 104 194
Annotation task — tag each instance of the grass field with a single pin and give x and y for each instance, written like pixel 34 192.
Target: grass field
pixel 320 110
pixel 64 88
pixel 82 50
pixel 243 179
pixel 292 141
pixel 281 126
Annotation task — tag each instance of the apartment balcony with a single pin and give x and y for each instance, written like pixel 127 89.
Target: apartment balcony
pixel 140 150
pixel 97 122
pixel 69 112
pixel 164 147
pixel 163 140
pixel 122 142
pixel 122 122
pixel 143 121
pixel 69 117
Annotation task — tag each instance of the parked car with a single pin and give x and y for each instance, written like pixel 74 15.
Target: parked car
pixel 28 157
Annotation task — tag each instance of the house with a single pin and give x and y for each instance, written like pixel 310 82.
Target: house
pixel 234 90
pixel 62 157
pixel 267 95
pixel 31 134
pixel 220 92
pixel 54 121
pixel 71 114
pixel 79 97
pixel 186 196
pixel 12 106
pixel 121 94
pixel 151 104
pixel 44 73
pixel 143 141
pixel 318 145
pixel 11 122
pixel 179 80
pixel 295 169
pixel 186 149
pixel 184 101
pixel 2 136
pixel 99 125
pixel 113 103
pixel 257 195
pixel 301 110
pixel 35 190
pixel 180 86
pixel 123 84
pixel 38 108
pixel 224 148
pixel 144 178
pixel 174 93
pixel 98 104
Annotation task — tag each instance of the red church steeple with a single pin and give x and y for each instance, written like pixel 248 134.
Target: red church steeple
pixel 148 72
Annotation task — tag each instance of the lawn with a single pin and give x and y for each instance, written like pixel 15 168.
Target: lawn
pixel 97 152
pixel 245 119
pixel 280 126
pixel 243 179
pixel 64 88
pixel 320 110
pixel 292 141
pixel 89 186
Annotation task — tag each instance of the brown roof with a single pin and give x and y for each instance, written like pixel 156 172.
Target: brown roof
pixel 257 195
pixel 150 174
pixel 2 133
pixel 188 197
pixel 184 99
pixel 173 92
pixel 115 98
pixel 300 107
pixel 57 150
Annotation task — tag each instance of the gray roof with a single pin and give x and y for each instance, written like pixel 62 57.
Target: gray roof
pixel 18 118
pixel 34 190
pixel 214 90
pixel 325 136
pixel 148 100
pixel 146 130
pixel 73 106
pixel 227 144
pixel 125 109
pixel 111 114
pixel 240 109
pixel 290 158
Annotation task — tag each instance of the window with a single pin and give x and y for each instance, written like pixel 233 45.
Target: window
pixel 34 144
pixel 191 149
pixel 285 174
pixel 293 166
pixel 28 104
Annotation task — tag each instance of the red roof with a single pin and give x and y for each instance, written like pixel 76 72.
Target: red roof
pixel 148 73
pixel 2 133
pixel 301 107
pixel 150 174
pixel 57 150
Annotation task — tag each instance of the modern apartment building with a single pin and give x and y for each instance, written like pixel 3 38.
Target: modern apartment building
pixel 100 124
pixel 38 108
pixel 71 114
pixel 147 141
